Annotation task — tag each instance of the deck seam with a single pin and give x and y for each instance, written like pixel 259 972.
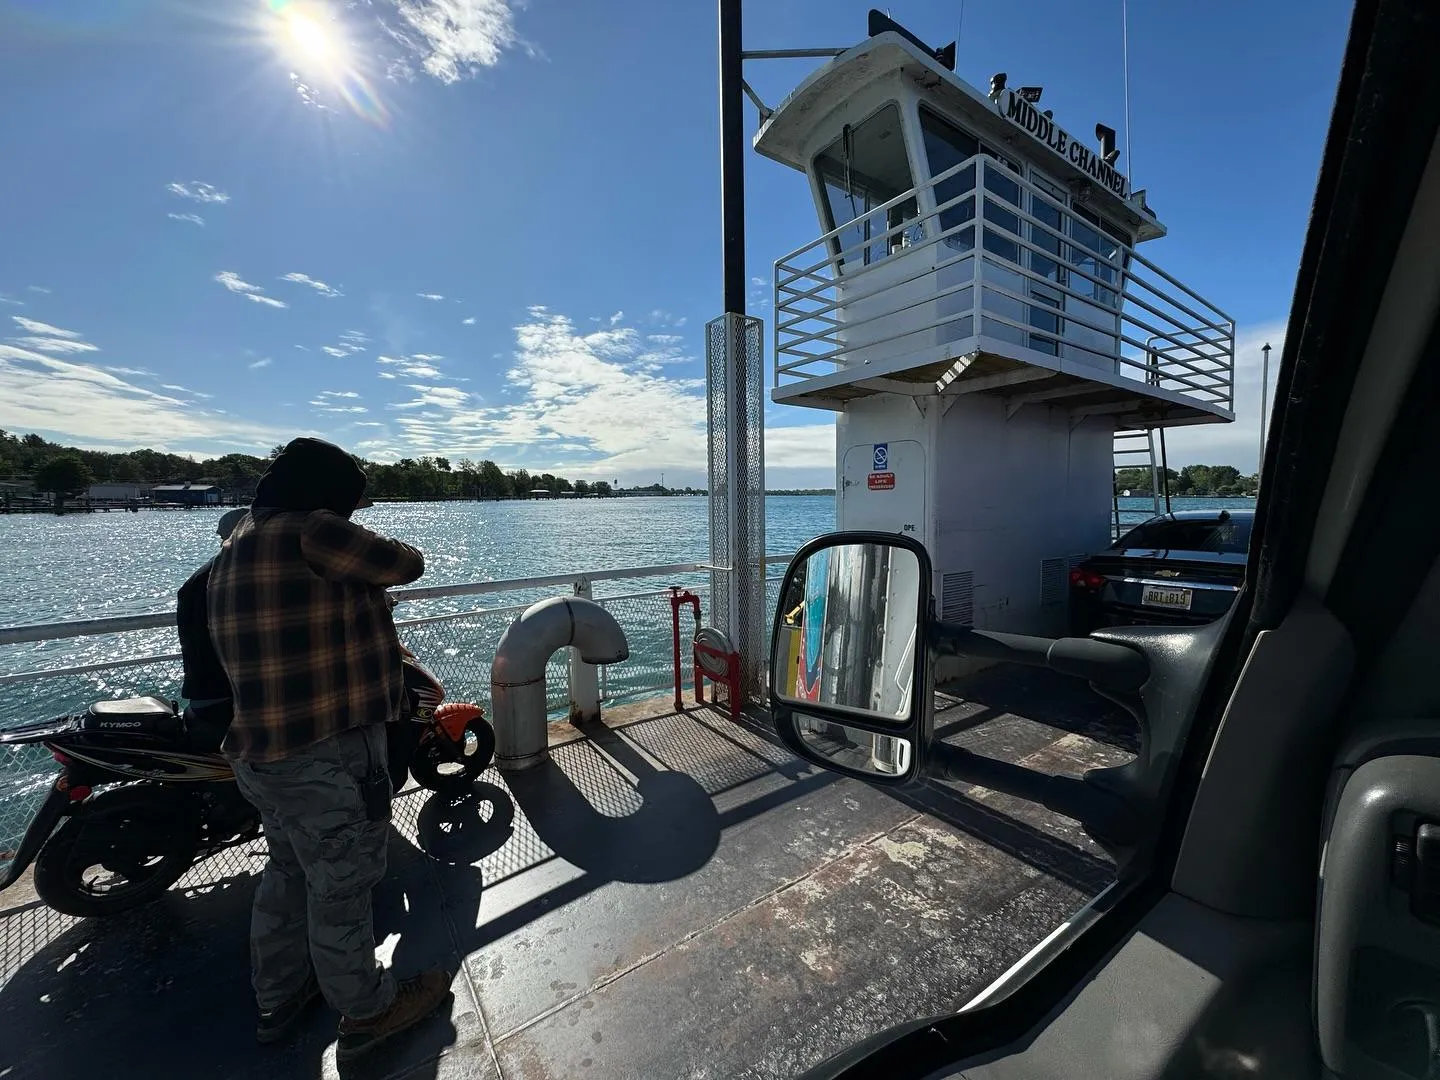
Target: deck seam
pixel 616 976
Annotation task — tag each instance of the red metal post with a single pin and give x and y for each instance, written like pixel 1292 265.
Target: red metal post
pixel 679 598
pixel 675 602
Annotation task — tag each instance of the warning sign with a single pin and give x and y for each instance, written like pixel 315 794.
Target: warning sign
pixel 882 481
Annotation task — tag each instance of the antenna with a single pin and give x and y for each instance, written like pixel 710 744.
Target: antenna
pixel 959 33
pixel 1125 50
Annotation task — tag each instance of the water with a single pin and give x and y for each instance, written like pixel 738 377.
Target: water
pixel 88 566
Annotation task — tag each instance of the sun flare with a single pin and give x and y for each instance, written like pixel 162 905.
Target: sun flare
pixel 307 35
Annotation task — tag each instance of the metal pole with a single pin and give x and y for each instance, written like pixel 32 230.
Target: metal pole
pixel 1165 470
pixel 732 157
pixel 584 678
pixel 1264 404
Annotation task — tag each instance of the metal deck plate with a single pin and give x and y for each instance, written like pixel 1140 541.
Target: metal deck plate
pixel 673 896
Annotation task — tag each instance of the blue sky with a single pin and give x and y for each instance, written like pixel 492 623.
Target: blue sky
pixel 496 233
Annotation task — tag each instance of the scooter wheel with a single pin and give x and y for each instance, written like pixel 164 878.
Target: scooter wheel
pixel 122 848
pixel 443 766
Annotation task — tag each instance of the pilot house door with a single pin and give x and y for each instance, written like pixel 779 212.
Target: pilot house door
pixel 883 488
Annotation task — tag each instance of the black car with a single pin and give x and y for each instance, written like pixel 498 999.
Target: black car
pixel 1182 568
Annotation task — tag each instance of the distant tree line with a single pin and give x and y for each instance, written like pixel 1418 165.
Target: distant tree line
pixel 1193 481
pixel 70 471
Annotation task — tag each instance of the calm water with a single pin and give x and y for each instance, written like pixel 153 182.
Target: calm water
pixel 94 565
pixel 86 566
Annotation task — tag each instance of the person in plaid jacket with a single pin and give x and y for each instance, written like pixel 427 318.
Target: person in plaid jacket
pixel 301 622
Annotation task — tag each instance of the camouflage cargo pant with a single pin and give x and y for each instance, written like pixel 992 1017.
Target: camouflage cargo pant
pixel 313 902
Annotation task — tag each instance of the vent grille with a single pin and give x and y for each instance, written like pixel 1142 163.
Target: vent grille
pixel 1054 578
pixel 957 597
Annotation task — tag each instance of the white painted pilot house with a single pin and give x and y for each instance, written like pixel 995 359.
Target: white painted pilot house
pixel 978 316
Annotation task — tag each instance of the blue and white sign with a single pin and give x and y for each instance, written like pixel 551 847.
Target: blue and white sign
pixel 882 457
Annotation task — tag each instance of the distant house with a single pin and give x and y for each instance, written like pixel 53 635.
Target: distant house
pixel 18 485
pixel 117 492
pixel 540 493
pixel 193 494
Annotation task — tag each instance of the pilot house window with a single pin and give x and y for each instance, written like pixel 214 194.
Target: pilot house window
pixel 862 170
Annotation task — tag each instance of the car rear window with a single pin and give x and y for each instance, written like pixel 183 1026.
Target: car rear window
pixel 1224 537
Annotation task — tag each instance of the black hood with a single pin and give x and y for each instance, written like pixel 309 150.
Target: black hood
pixel 311 474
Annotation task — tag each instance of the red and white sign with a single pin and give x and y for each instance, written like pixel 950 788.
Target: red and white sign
pixel 882 481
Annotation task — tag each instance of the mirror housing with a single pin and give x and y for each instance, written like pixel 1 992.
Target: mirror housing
pixel 850 676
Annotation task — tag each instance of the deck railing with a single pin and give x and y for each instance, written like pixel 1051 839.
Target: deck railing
pixel 50 669
pixel 981 258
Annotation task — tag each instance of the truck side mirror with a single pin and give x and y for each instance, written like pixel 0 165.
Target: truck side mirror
pixel 849 668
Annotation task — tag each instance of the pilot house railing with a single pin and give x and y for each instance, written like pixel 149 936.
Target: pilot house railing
pixel 981 258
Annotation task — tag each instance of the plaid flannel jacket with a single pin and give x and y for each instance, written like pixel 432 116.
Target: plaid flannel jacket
pixel 301 622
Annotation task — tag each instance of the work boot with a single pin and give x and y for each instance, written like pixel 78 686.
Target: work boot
pixel 415 999
pixel 275 1023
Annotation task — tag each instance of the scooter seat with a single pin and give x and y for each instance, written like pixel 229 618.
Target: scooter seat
pixel 146 715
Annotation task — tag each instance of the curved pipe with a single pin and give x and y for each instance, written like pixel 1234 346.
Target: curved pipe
pixel 517 678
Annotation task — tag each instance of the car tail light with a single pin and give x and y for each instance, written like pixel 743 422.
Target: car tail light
pixel 1082 578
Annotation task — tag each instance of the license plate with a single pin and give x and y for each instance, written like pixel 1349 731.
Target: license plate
pixel 1166 596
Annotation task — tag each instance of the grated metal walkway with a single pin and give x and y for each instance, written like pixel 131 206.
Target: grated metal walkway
pixel 674 895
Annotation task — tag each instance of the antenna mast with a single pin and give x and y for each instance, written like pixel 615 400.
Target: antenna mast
pixel 1125 49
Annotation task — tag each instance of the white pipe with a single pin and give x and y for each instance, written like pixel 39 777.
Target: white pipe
pixel 517 678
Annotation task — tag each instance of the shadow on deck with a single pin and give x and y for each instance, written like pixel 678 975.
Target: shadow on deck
pixel 673 895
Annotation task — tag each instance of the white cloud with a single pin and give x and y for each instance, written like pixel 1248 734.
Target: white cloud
pixel 94 406
pixel 578 397
pixel 666 318
pixel 54 345
pixel 11 300
pixel 429 296
pixel 1238 443
pixel 319 286
pixel 339 393
pixel 417 366
pixel 453 38
pixel 194 219
pixel 307 93
pixel 133 371
pixel 351 341
pixel 445 397
pixel 468 322
pixel 184 390
pixel 236 284
pixel 200 192
pixel 35 326
pixel 40 289
pixel 262 363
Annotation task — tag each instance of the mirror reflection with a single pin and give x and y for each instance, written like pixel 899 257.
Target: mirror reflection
pixel 850 616
pixel 851 748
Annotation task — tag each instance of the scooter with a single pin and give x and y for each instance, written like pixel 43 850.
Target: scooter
pixel 143 793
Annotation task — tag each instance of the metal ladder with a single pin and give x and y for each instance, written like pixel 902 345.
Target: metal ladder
pixel 1134 449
